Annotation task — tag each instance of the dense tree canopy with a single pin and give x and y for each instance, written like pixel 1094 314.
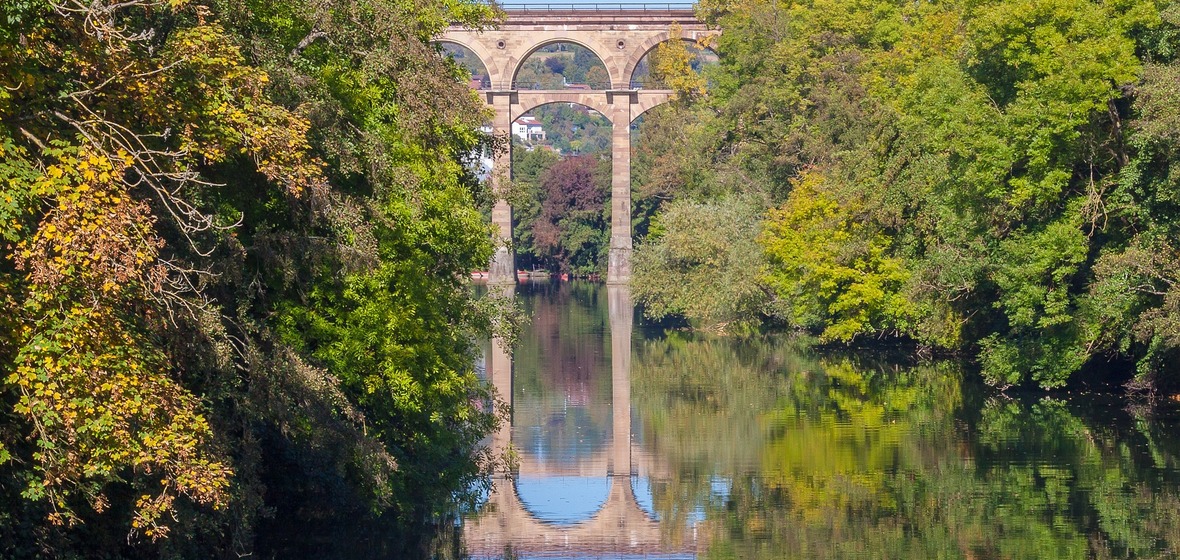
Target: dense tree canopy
pixel 997 178
pixel 234 241
pixel 572 228
pixel 561 210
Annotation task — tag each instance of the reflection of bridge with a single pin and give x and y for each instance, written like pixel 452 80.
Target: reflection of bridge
pixel 619 526
pixel 620 38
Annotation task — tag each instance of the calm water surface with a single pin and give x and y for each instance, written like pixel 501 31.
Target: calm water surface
pixel 628 441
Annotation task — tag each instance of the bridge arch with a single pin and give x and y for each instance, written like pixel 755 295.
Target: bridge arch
pixel 637 64
pixel 649 47
pixel 486 58
pixel 641 51
pixel 619 38
pixel 517 62
pixel 647 104
pixel 596 103
pixel 531 509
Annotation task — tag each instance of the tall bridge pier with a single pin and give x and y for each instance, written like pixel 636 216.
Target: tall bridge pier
pixel 620 38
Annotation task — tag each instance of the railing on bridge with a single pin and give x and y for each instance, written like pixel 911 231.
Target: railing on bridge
pixel 535 85
pixel 526 85
pixel 599 7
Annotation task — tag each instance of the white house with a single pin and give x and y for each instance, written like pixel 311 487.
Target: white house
pixel 528 129
pixel 483 169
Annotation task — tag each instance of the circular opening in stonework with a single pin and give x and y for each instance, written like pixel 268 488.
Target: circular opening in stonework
pixel 621 44
pixel 499 44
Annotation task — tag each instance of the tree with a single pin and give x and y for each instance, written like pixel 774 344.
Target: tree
pixel 528 169
pixel 701 261
pixel 672 66
pixel 831 270
pixel 973 176
pixel 555 65
pixel 597 78
pixel 206 205
pixel 571 232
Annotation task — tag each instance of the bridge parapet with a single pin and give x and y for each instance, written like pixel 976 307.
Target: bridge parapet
pixel 599 7
pixel 646 15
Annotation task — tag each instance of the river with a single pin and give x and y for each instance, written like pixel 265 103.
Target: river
pixel 629 440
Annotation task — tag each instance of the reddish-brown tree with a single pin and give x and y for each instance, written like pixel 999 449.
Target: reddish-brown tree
pixel 571 231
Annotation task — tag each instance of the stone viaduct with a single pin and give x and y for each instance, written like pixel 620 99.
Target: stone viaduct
pixel 619 526
pixel 620 37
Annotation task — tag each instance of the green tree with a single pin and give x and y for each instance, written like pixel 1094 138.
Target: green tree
pixel 832 271
pixel 207 206
pixel 701 261
pixel 571 233
pixel 528 168
pixel 988 171
pixel 672 66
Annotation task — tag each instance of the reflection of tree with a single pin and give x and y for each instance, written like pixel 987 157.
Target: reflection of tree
pixel 836 458
pixel 562 368
pixel 1102 494
pixel 700 401
pixel 701 398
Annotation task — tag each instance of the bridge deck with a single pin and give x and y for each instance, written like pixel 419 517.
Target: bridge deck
pixel 645 19
pixel 625 14
pixel 597 6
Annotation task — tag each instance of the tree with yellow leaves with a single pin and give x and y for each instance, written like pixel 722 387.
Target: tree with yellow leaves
pixel 671 65
pixel 208 208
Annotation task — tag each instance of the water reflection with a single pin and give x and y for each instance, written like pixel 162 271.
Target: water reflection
pixel 549 503
pixel 632 441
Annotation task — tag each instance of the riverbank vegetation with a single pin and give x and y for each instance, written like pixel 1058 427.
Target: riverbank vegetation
pixel 997 179
pixel 235 242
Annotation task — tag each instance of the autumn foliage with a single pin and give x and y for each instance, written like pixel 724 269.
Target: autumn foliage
pixel 571 229
pixel 192 196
